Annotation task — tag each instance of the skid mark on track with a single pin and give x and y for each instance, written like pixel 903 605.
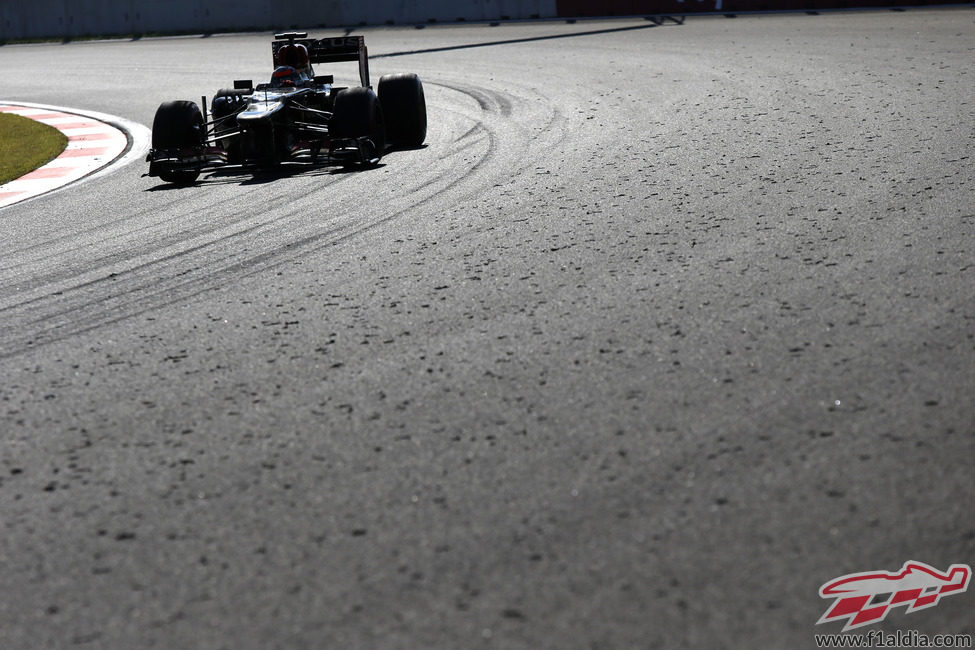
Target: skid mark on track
pixel 63 302
pixel 476 129
pixel 490 101
pixel 133 226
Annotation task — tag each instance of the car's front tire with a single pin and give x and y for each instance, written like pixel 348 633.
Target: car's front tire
pixel 178 125
pixel 356 114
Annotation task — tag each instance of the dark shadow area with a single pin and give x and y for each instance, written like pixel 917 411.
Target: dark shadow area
pixel 416 148
pixel 511 41
pixel 237 175
pixel 354 169
pixel 245 176
pixel 167 187
pixel 662 20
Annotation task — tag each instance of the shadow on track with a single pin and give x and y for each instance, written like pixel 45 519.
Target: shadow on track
pixel 236 175
pixel 655 22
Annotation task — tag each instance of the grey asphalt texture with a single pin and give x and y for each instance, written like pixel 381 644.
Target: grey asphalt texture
pixel 666 326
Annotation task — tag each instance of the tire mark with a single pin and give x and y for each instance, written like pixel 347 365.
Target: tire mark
pixel 490 101
pixel 128 292
pixel 50 250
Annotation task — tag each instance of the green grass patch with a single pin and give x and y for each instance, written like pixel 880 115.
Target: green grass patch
pixel 26 145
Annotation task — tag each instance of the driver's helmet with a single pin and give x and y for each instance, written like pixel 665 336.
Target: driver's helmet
pixel 295 55
pixel 285 76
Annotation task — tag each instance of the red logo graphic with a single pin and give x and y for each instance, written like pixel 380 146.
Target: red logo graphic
pixel 865 598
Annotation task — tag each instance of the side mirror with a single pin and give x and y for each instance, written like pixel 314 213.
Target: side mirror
pixel 324 80
pixel 243 84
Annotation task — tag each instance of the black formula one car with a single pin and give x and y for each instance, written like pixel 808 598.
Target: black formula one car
pixel 297 116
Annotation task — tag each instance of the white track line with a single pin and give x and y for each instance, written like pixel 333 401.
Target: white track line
pixel 97 143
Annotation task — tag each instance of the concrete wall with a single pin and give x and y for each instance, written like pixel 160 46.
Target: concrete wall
pixel 75 18
pixel 576 8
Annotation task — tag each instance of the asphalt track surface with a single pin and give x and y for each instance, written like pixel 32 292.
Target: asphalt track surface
pixel 664 328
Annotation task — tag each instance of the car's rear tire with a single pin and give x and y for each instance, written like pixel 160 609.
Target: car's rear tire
pixel 356 114
pixel 405 109
pixel 178 125
pixel 227 101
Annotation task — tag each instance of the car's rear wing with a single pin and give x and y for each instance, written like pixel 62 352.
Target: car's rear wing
pixel 328 50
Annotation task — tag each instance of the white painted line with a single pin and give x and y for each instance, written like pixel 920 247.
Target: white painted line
pixel 98 144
